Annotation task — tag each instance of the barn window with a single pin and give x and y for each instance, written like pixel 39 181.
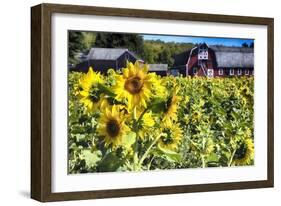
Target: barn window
pixel 220 71
pixel 247 72
pixel 239 72
pixel 203 53
pixel 231 71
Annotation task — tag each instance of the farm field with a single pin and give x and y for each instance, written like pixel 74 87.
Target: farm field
pixel 135 120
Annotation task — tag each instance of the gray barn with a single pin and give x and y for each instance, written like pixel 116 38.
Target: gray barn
pixel 102 59
pixel 160 69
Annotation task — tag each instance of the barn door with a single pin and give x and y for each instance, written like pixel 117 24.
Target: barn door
pixel 210 73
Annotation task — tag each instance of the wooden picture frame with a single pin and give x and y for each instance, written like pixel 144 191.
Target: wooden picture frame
pixel 41 96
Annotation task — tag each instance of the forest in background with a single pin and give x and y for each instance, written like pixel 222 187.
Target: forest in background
pixel 150 51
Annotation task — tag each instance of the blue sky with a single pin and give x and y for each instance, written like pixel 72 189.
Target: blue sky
pixel 208 40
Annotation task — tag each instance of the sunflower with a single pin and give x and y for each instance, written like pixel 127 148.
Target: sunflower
pixel 107 101
pixel 145 124
pixel 134 85
pixel 158 87
pixel 171 107
pixel 245 153
pixel 112 126
pixel 171 138
pixel 90 91
pixel 74 82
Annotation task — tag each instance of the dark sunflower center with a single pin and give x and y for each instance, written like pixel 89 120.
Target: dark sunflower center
pixel 241 151
pixel 133 85
pixel 168 139
pixel 80 88
pixel 95 93
pixel 112 128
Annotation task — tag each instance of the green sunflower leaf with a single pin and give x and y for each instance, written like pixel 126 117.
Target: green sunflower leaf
pixel 106 90
pixel 129 139
pixel 212 158
pixel 91 158
pixel 170 155
pixel 110 163
pixel 157 105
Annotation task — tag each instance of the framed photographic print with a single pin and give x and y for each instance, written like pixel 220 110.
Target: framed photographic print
pixel 132 102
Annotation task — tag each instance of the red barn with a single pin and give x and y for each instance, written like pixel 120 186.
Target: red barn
pixel 213 61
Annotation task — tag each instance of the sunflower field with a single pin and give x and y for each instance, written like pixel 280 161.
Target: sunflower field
pixel 133 120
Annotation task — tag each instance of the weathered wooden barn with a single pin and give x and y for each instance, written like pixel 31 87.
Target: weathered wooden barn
pixel 101 59
pixel 159 69
pixel 213 61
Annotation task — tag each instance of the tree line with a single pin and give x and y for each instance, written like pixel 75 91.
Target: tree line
pixel 151 51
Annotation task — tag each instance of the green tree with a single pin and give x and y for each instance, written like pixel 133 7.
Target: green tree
pixel 89 39
pixel 148 54
pixel 133 42
pixel 166 56
pixel 75 45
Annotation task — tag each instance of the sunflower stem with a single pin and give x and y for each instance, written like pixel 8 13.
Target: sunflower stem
pixel 149 164
pixel 148 149
pixel 140 117
pixel 203 161
pixel 231 158
pixel 136 142
pixel 202 156
pixel 194 144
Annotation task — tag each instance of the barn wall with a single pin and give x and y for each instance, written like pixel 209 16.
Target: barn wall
pixel 193 62
pixel 97 65
pixel 81 67
pixel 212 59
pixel 226 72
pixel 122 59
pixel 161 73
pixel 216 73
pixel 103 65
